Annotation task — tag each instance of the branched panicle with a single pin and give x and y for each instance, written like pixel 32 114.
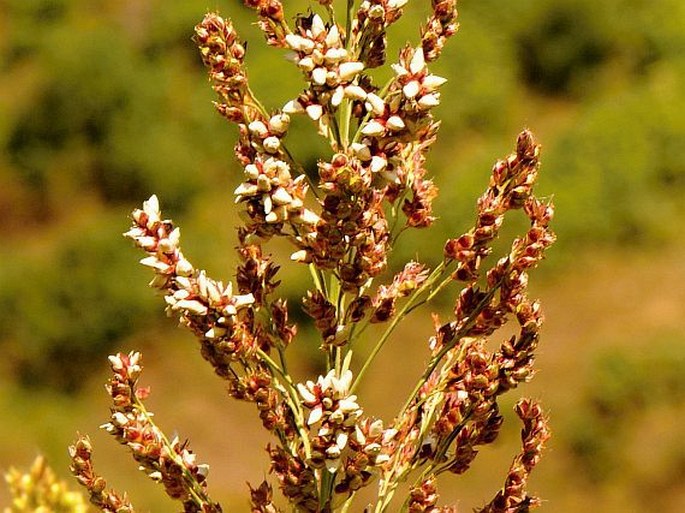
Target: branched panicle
pixel 170 463
pixel 39 490
pixel 403 284
pixel 370 26
pixel 271 21
pixel 513 498
pixel 342 224
pixel 224 55
pixel 261 499
pixel 297 481
pixel 109 501
pixel 424 498
pixel 441 25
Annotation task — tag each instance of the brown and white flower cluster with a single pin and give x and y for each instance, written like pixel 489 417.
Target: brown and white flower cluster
pixel 330 69
pixel 270 194
pixel 343 441
pixel 342 225
pixel 170 463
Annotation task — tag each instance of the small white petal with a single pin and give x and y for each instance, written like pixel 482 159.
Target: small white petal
pixel 341 440
pixel 395 123
pixel 318 26
pixel 399 69
pixel 268 204
pixel 258 128
pixel 299 256
pixel 355 92
pixel 429 101
pixel 154 263
pixel 279 123
pixel 151 206
pixel 251 171
pixel 299 43
pixel 308 217
pixel 271 144
pixel 338 96
pixel 315 415
pixel 307 395
pixel 191 306
pixel 216 332
pixel 245 189
pixel 319 76
pixel 119 419
pixel 373 128
pixel 184 268
pixel 306 64
pixel 411 89
pixel 378 164
pixel 314 111
pixel 333 452
pixel 347 405
pixel 348 70
pixel 243 300
pixel 361 151
pixel 147 243
pixel 263 183
pixel 417 63
pixel 293 107
pixel 281 196
pixel 375 104
pixel 333 36
pixel 334 55
pixel 432 82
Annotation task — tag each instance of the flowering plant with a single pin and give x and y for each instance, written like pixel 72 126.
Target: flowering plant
pixel 342 224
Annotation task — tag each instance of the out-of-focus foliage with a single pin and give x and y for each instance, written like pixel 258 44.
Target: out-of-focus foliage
pixel 627 420
pixel 40 491
pixel 634 192
pixel 61 305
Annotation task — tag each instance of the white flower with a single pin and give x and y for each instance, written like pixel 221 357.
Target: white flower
pixel 375 104
pixel 411 89
pixel 395 123
pixel 417 64
pixel 432 82
pixel 348 70
pixel 373 128
pixel 319 76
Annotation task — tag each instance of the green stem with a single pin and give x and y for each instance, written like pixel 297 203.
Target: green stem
pixel 291 397
pixel 348 24
pixel 345 119
pixel 194 488
pixel 468 324
pixel 396 320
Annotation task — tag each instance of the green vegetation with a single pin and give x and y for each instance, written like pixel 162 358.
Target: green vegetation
pixel 103 102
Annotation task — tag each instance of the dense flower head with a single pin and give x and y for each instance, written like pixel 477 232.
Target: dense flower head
pixel 341 222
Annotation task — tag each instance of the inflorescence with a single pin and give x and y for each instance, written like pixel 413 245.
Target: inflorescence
pixel 342 225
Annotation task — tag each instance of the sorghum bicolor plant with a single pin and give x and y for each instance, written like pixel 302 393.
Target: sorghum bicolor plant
pixel 342 225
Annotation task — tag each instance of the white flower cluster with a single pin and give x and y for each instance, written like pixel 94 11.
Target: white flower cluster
pixel 189 292
pixel 281 198
pixel 333 414
pixel 330 69
pixel 403 114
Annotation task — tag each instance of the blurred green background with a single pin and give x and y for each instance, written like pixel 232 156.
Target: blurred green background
pixel 103 102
